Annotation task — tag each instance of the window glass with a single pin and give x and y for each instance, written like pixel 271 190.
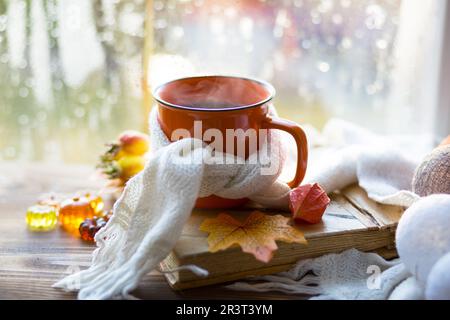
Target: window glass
pixel 71 72
pixel 325 58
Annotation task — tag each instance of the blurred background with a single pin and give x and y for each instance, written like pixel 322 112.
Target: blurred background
pixel 75 73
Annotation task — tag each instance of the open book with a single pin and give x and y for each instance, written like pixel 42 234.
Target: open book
pixel 351 220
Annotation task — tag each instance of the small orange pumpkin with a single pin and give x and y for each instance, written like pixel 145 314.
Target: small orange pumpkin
pixel 96 203
pixel 74 211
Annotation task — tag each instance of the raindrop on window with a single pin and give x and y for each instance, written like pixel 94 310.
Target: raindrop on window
pixel 376 17
pixel 217 25
pixel 323 66
pixel 381 44
pixel 41 116
pixel 306 44
pixel 23 64
pixel 316 20
pixel 246 26
pixel 23 120
pixel 57 85
pixel 111 99
pixel 346 43
pixel 337 19
pixel 248 47
pixel 101 93
pixel 79 112
pixel 371 89
pixel 3 22
pixel 4 58
pixel 158 5
pixel 23 92
pixel 325 6
pixel 66 123
pixel 298 3
pixel 346 3
pixel 84 98
pixel 93 120
pixel 188 10
pixel 177 32
pixel 198 3
pixel 215 9
pixel 230 12
pixel 160 23
pixel 278 32
pixel 331 41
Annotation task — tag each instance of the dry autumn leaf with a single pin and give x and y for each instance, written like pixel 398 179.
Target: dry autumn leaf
pixel 256 235
pixel 308 203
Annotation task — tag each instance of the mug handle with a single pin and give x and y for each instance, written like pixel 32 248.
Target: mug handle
pixel 300 139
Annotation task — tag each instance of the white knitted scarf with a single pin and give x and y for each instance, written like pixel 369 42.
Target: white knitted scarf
pixel 149 216
pixel 343 154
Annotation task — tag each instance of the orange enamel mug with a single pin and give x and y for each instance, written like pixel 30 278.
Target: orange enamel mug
pixel 224 102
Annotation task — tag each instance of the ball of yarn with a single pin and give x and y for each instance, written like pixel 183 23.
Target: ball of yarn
pixel 433 174
pixel 423 234
pixel 438 283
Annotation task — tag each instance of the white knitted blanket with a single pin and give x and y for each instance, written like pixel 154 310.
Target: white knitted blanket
pixel 150 214
pixel 343 154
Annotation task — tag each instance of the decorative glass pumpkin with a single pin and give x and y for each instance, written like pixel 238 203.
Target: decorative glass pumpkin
pixel 96 203
pixel 41 217
pixel 74 211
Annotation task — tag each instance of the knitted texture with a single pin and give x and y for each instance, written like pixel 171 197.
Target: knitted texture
pixel 347 276
pixel 149 216
pixel 382 165
pixel 341 155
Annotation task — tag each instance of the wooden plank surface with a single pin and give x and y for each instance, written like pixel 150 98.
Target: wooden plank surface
pixel 382 215
pixel 31 262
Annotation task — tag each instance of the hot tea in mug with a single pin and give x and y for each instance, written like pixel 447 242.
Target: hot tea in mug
pixel 224 103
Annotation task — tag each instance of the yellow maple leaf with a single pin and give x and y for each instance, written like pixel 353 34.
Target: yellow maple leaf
pixel 256 235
